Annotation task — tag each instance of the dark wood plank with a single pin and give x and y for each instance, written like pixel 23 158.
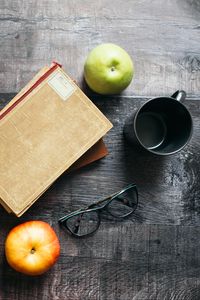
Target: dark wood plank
pixel 152 255
pixel 121 261
pixel 162 37
pixel 168 186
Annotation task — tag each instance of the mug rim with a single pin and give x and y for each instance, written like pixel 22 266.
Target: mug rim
pixel 151 150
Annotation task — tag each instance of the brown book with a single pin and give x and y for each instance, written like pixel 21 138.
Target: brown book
pixel 44 130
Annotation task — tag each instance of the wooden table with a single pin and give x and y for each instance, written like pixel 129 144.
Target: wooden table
pixel 155 253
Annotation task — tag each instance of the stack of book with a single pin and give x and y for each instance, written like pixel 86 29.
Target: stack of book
pixel 44 130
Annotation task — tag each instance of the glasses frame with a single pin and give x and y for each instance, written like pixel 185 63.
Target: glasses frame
pixel 90 208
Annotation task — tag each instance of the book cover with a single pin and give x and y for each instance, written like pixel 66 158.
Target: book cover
pixel 43 131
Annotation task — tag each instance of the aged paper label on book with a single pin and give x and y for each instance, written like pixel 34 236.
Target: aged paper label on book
pixel 42 134
pixel 61 85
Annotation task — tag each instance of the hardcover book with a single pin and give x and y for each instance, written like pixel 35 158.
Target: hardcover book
pixel 44 130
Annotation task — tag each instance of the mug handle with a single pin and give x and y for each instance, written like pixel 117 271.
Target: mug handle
pixel 179 95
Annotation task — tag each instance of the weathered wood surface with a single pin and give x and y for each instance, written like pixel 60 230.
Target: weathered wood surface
pixel 123 262
pixel 153 255
pixel 162 37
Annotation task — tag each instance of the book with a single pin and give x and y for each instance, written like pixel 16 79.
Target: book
pixel 96 152
pixel 44 130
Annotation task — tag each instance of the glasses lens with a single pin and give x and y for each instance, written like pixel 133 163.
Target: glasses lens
pixel 124 204
pixel 84 223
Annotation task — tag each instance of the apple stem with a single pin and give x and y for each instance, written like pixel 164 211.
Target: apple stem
pixel 112 69
pixel 32 250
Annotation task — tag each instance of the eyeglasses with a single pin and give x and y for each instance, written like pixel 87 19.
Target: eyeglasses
pixel 86 221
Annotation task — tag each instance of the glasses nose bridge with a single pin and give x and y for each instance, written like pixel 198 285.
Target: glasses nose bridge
pixel 104 205
pixel 98 209
pixel 107 201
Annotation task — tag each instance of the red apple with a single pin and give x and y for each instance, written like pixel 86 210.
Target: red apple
pixel 32 247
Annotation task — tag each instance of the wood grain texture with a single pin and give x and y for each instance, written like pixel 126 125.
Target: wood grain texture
pixel 153 255
pixel 162 37
pixel 169 186
pixel 120 262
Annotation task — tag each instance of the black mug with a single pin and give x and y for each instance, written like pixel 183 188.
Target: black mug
pixel 162 125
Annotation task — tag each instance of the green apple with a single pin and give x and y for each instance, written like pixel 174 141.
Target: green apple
pixel 108 69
